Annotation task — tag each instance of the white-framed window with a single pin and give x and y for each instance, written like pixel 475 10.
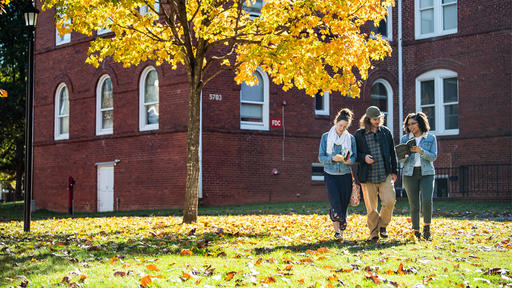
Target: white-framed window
pixel 105 30
pixel 104 106
pixel 385 28
pixel 148 99
pixel 66 38
pixel 435 18
pixel 317 171
pixel 381 95
pixel 61 112
pixel 254 9
pixel 254 103
pixel 322 103
pixel 437 95
pixel 144 9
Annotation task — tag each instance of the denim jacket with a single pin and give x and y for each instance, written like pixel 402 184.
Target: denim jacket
pixel 333 167
pixel 429 145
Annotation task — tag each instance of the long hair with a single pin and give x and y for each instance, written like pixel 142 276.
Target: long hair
pixel 422 120
pixel 344 114
pixel 364 122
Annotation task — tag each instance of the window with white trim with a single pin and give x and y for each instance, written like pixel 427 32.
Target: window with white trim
pixel 144 9
pixel 322 103
pixel 437 95
pixel 317 171
pixel 381 95
pixel 62 112
pixel 385 28
pixel 104 106
pixel 105 30
pixel 435 18
pixel 254 9
pixel 148 100
pixel 254 103
pixel 66 38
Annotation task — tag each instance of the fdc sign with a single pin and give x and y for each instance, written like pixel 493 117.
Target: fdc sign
pixel 275 123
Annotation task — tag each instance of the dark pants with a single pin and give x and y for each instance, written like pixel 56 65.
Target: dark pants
pixel 339 189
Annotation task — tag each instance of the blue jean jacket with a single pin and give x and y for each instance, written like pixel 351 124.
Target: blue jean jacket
pixel 332 167
pixel 429 145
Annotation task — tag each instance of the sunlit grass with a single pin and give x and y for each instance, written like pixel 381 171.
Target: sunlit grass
pixel 288 250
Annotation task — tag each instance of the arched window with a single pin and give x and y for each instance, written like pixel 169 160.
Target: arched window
pixel 62 112
pixel 437 95
pixel 149 100
pixel 381 95
pixel 254 103
pixel 104 106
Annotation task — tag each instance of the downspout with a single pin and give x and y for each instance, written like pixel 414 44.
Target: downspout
pixel 200 184
pixel 400 77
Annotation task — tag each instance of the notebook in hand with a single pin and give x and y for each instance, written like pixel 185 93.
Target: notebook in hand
pixel 404 150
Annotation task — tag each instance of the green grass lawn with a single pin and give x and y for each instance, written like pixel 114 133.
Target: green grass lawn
pixel 274 245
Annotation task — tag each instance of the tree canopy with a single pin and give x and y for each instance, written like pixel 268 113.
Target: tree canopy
pixel 304 43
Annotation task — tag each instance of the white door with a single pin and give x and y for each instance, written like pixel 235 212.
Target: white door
pixel 105 188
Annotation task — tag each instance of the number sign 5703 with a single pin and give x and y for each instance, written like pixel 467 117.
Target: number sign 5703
pixel 215 97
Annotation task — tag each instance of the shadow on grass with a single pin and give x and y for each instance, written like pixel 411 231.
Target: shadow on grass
pixel 352 246
pixel 20 254
pixel 496 211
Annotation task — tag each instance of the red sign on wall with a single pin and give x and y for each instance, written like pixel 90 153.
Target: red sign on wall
pixel 275 122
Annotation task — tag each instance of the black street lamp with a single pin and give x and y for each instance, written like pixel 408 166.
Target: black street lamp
pixel 31 13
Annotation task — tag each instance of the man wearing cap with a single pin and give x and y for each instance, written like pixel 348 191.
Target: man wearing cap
pixel 377 170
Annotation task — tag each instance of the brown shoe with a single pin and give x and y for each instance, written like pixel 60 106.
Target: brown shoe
pixel 383 233
pixel 373 239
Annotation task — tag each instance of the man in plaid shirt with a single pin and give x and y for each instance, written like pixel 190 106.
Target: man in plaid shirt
pixel 377 170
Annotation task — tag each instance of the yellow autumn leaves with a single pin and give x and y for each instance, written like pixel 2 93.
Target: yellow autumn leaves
pixel 308 44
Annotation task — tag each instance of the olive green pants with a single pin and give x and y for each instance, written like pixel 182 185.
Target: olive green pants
pixel 418 188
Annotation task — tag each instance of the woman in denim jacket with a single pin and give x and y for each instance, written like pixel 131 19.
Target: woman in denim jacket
pixel 338 151
pixel 418 170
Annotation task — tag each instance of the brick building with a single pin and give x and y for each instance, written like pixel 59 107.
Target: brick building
pixel 102 127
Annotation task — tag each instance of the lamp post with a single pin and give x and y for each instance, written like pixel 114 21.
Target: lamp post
pixel 31 13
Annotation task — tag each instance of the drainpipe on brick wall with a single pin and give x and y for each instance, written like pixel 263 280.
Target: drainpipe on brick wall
pixel 400 78
pixel 200 184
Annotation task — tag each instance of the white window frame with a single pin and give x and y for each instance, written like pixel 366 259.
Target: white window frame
pixel 144 9
pixel 389 24
pixel 142 110
pixel 264 125
pixel 57 118
pixel 317 177
pixel 325 100
pixel 438 20
pixel 66 38
pixel 252 12
pixel 438 75
pixel 103 31
pixel 389 112
pixel 99 110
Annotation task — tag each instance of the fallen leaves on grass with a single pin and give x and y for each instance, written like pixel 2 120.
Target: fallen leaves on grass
pixel 305 241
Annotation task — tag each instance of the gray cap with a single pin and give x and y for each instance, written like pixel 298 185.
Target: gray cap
pixel 373 112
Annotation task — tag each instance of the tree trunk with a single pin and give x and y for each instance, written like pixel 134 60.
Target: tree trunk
pixel 192 189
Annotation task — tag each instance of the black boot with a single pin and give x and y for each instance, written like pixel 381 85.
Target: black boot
pixel 426 232
pixel 417 234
